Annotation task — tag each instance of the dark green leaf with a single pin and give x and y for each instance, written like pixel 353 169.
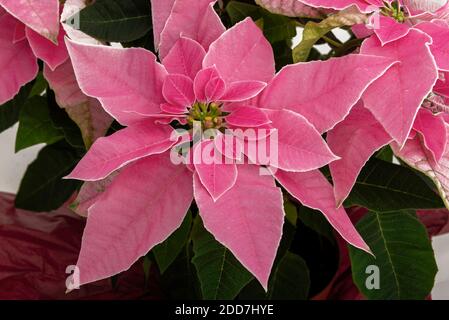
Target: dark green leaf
pixel 403 256
pixel 316 221
pixel 275 27
pixel 35 125
pixel 40 85
pixel 291 212
pixel 220 274
pixel 62 121
pixel 9 112
pixel 314 242
pixel 383 187
pixel 180 280
pixel 116 20
pixel 146 42
pixel 385 154
pixel 42 188
pixel 166 252
pixel 254 289
pixel 282 54
pixel 290 279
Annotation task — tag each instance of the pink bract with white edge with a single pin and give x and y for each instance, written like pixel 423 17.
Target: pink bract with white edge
pixel 230 77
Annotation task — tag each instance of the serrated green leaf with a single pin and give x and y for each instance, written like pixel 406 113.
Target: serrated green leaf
pixel 116 20
pixel 383 187
pixel 221 275
pixel 42 188
pixel 35 125
pixel 403 255
pixel 166 252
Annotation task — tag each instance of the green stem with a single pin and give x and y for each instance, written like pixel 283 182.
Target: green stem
pixel 332 42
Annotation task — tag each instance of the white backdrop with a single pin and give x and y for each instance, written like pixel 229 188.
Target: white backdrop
pixel 12 166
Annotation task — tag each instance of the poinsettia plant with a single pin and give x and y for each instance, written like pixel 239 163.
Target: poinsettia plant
pixel 237 149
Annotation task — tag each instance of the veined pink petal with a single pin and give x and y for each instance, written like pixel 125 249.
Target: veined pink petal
pixel 247 219
pixel 300 146
pixel 111 153
pixel 18 64
pixel 433 130
pixel 214 89
pixel 363 6
pixel 134 215
pixel 52 54
pixel 440 44
pixel 361 31
pixel 63 82
pixel 208 80
pixel 355 140
pixel 247 117
pixel 87 112
pixel 186 57
pixel 390 30
pixel 314 191
pixel 91 118
pixel 134 79
pixel 394 99
pixel 160 11
pixel 215 174
pixel 40 15
pixel 430 6
pixel 242 90
pixel 173 109
pixel 242 53
pixel 178 90
pixel 415 154
pixel 194 19
pixel 290 8
pixel 91 192
pixel 324 91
